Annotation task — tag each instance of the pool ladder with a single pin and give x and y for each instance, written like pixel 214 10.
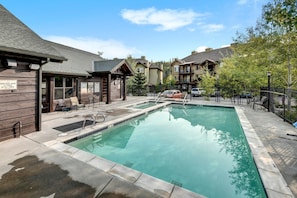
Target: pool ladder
pixel 185 99
pixel 97 138
pixel 158 97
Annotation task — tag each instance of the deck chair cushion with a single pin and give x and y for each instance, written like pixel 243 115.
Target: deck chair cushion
pixel 74 102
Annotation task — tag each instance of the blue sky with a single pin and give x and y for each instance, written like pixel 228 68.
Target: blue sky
pixel 158 29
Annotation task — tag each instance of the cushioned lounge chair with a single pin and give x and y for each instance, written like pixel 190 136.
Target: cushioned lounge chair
pixel 75 103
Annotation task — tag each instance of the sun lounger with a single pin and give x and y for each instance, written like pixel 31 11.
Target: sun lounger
pixel 75 104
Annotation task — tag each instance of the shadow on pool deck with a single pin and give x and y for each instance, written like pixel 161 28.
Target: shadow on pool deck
pixel 28 168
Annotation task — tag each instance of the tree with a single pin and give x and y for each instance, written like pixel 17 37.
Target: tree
pixel 138 83
pixel 269 46
pixel 245 70
pixel 282 15
pixel 169 82
pixel 208 83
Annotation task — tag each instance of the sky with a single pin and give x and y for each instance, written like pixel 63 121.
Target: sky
pixel 160 30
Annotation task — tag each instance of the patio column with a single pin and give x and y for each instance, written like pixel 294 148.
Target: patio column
pixel 124 87
pixel 108 99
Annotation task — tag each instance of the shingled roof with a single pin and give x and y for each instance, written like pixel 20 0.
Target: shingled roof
pixel 156 66
pixel 79 62
pixel 111 66
pixel 215 55
pixel 17 38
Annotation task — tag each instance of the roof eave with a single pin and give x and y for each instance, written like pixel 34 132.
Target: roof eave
pixel 52 58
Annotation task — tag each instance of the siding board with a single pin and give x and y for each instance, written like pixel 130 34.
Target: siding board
pixel 7 106
pixel 20 104
pixel 17 97
pixel 21 113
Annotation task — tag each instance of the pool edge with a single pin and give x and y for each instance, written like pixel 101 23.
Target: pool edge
pixel 273 181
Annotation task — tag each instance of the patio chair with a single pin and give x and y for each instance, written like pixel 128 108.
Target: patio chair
pixel 256 102
pixel 75 104
pixel 62 105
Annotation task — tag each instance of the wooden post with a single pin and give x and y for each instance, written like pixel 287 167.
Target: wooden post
pixel 108 99
pixel 124 87
pixel 51 94
pixel 39 97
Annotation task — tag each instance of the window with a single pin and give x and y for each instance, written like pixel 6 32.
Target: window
pixel 140 69
pixel 188 69
pixel 176 68
pixel 63 87
pixel 58 81
pixel 89 87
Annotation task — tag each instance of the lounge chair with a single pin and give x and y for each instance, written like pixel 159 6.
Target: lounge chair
pixel 63 105
pixel 75 104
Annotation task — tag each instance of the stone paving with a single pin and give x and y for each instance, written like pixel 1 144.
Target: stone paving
pixel 113 180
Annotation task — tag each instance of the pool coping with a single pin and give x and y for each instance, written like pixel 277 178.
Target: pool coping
pixel 273 181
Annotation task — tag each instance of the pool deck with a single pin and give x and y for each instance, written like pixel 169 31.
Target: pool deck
pixel 274 151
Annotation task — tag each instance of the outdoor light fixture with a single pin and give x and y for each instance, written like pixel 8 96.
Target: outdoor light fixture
pixel 34 66
pixel 9 63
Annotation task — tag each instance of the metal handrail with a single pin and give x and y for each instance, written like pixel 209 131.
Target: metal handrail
pixel 157 98
pixel 185 99
pixel 20 128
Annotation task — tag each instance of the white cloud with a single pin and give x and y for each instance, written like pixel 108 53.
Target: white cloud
pixel 201 48
pixel 110 48
pixel 166 19
pixel 208 28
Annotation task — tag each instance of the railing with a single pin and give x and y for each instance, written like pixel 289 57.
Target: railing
pixel 157 98
pixel 185 99
pixel 20 128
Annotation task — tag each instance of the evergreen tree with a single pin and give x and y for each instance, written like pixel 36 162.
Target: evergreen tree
pixel 138 83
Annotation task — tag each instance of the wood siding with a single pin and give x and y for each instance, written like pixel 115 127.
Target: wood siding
pixel 19 105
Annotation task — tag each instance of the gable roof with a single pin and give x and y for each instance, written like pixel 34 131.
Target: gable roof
pixel 17 38
pixel 142 61
pixel 215 55
pixel 156 66
pixel 78 63
pixel 111 66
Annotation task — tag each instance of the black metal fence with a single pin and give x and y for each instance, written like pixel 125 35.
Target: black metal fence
pixel 281 102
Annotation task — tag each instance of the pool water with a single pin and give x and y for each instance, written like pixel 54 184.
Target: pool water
pixel 200 148
pixel 144 105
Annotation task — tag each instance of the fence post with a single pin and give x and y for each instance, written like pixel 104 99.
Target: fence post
pixel 284 104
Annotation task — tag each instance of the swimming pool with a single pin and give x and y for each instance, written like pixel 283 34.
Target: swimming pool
pixel 143 105
pixel 200 148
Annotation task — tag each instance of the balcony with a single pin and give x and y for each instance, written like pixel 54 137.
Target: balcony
pixel 185 72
